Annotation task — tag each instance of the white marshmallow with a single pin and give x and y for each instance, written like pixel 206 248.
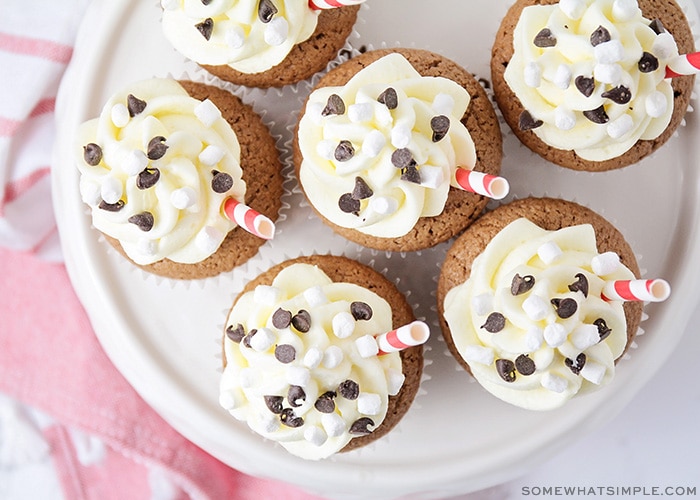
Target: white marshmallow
pixel 535 307
pixel 549 252
pixel 400 136
pixel 314 110
pixel 332 357
pixel 343 325
pixel 297 375
pixel 211 155
pixel 609 52
pixel 573 9
pixel 655 104
pixel 373 144
pixel 620 126
pixel 555 334
pixel 111 190
pixel 333 424
pixel 605 263
pixel 134 162
pixel 554 383
pixel 533 75
pixel 315 296
pixel 235 37
pixel 361 112
pixel 664 46
pixel 585 336
pixel 263 339
pixel 593 372
pixel 315 435
pixel 564 119
pixel 367 346
pixel 276 31
pixel 562 77
pixel 482 304
pixel 624 10
pixel 207 112
pixel 313 357
pixel 395 380
pixel 208 239
pixel 326 149
pixel 266 295
pixel 369 403
pixel 431 177
pixel 443 104
pixel 478 354
pixel 183 198
pixel 90 192
pixel 534 338
pixel 607 73
pixel 120 115
pixel 383 205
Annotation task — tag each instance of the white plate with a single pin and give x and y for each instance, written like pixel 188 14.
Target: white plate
pixel 164 335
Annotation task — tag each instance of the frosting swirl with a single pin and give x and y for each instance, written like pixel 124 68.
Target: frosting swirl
pixel 251 36
pixel 591 76
pixel 530 320
pixel 296 372
pixel 155 168
pixel 381 151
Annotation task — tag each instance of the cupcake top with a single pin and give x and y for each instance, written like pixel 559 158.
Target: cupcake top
pixel 530 320
pixel 381 151
pixel 251 36
pixel 591 75
pixel 155 168
pixel 302 364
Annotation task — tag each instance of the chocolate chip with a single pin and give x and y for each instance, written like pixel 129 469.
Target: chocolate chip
pixel 349 389
pixel 281 318
pixel 288 418
pixel 657 26
pixel 349 204
pixel 565 307
pixel 580 285
pixel 576 366
pixel 325 403
pixel 156 148
pixel 597 115
pixel 205 27
pixel 402 158
pixel 221 182
pixel 495 322
pixel 360 427
pixel 618 95
pixel 334 106
pixel 236 333
pixel 389 98
pixel 506 369
pixel 274 403
pixel 266 10
pixel 440 125
pixel 527 122
pixel 603 329
pixel 525 365
pixel 302 321
pixel 545 38
pixel 296 396
pixel 285 353
pixel 648 63
pixel 206 2
pixel 134 105
pixel 111 207
pixel 521 284
pixel 246 339
pixel 600 35
pixel 344 151
pixel 362 189
pixel 92 154
pixel 144 221
pixel 411 174
pixel 147 178
pixel 585 85
pixel 360 311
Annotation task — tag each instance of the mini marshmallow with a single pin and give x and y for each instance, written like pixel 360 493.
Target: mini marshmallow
pixel 554 334
pixel 111 190
pixel 533 75
pixel 90 192
pixel 655 104
pixel 246 378
pixel 620 126
pixel 120 115
pixel 573 9
pixel 535 307
pixel 266 295
pixel 263 339
pixel 624 10
pixel 333 424
pixel 534 338
pixel 315 296
pixel 373 144
pixel 664 46
pixel 593 372
pixel 169 4
pixel 343 324
pixel 369 403
pixel 607 73
pixel 270 422
pixel 147 246
pixel 395 380
pixel 332 356
pixel 313 357
pixel 431 177
pixel 315 435
pixel 207 112
pixel 362 112
pixel 609 52
pixel 400 136
pixel 382 115
pixel 554 383
pixel 367 346
pixel 549 252
pixel 562 77
pixel 235 37
pixel 443 104
pixel 208 239
pixel 134 162
pixel 564 119
pixel 297 375
pixel 326 149
pixel 482 304
pixel 227 400
pixel 276 31
pixel 314 110
pixel 605 263
pixel 383 205
pixel 183 198
pixel 478 354
pixel 211 155
pixel 585 336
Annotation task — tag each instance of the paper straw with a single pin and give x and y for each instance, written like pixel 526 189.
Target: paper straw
pixel 489 185
pixel 687 64
pixel 655 290
pixel 332 4
pixel 250 220
pixel 406 336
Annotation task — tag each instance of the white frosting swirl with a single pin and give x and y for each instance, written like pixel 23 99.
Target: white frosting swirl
pixel 536 329
pixel 316 361
pixel 249 35
pixel 544 77
pixel 375 132
pixel 189 143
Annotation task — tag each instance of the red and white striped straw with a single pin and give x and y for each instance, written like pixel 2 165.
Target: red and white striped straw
pixel 406 336
pixel 687 64
pixel 332 4
pixel 252 221
pixel 656 290
pixel 489 185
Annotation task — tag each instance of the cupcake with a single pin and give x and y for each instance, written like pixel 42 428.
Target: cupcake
pixel 306 363
pixel 268 43
pixel 167 169
pixel 535 301
pixel 583 83
pixel 385 142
